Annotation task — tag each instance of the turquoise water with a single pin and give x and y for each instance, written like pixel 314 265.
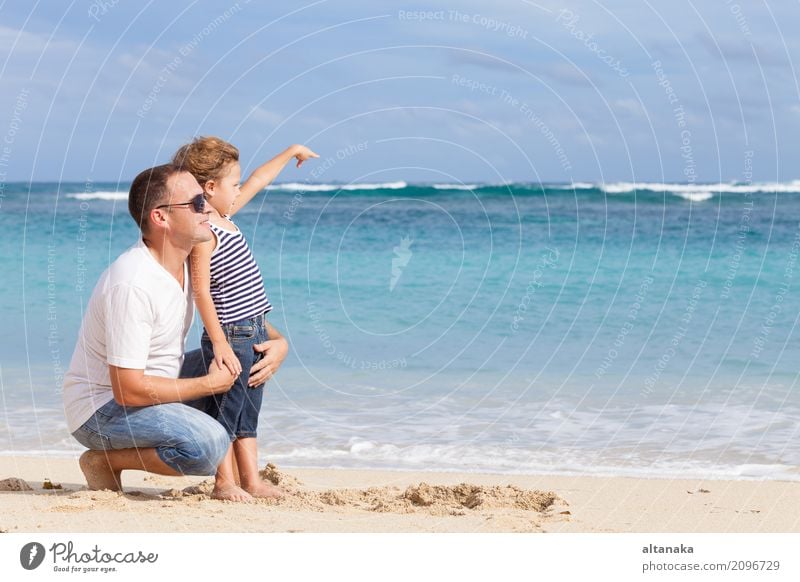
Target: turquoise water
pixel 615 329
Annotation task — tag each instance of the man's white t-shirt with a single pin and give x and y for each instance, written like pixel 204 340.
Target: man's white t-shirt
pixel 138 317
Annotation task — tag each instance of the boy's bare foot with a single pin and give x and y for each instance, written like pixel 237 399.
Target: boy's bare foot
pixel 230 493
pixel 265 490
pixel 98 473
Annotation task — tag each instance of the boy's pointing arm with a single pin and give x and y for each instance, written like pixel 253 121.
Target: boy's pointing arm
pixel 267 172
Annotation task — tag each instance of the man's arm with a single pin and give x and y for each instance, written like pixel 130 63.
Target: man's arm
pixel 135 388
pixel 275 350
pixel 267 172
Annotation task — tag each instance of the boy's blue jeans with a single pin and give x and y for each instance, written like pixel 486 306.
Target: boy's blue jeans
pixel 237 409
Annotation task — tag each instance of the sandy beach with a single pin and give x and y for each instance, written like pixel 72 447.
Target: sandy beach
pixel 386 501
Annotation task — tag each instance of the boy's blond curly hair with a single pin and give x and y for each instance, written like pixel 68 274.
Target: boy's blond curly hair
pixel 206 158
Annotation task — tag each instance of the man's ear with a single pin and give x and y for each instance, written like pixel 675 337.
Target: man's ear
pixel 158 218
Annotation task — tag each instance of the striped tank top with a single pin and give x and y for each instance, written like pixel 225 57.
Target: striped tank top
pixel 236 284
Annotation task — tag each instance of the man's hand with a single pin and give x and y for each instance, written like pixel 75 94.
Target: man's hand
pixel 302 153
pixel 274 351
pixel 219 379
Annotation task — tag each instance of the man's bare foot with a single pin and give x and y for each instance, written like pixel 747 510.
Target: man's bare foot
pixel 226 492
pixel 99 475
pixel 265 490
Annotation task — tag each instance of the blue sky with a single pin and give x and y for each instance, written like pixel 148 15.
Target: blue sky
pixel 438 92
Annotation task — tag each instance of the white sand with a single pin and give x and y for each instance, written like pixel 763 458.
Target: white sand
pixel 381 501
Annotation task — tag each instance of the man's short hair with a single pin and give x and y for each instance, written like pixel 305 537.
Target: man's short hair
pixel 148 190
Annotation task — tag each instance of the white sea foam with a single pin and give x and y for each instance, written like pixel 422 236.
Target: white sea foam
pixel 696 196
pixel 733 188
pixel 455 186
pixel 707 441
pixel 99 196
pixel 573 186
pixel 569 461
pixel 506 460
pixel 693 192
pixel 300 187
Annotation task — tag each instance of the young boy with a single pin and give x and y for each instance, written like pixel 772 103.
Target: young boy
pixel 230 296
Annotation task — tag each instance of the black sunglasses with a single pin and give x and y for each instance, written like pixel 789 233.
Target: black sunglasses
pixel 198 204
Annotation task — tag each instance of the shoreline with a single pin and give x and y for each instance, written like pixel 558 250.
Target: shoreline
pixel 609 474
pixel 355 500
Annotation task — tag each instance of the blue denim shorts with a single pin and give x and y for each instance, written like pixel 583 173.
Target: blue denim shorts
pixel 237 409
pixel 188 441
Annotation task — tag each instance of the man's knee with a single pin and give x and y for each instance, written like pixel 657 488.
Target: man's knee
pixel 201 452
pixel 218 443
pixel 211 447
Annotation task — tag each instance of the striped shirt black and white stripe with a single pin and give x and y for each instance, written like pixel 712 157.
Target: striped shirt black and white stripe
pixel 236 284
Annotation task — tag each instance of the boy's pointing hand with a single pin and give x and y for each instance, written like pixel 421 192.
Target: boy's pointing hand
pixel 302 153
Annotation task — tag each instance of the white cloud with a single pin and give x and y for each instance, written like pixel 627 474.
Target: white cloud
pixel 630 107
pixel 19 42
pixel 262 115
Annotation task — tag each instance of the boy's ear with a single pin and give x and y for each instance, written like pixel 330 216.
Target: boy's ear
pixel 209 186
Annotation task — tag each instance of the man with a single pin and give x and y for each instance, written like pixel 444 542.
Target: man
pixel 122 395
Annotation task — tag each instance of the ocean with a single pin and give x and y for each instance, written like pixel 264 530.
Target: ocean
pixel 604 329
